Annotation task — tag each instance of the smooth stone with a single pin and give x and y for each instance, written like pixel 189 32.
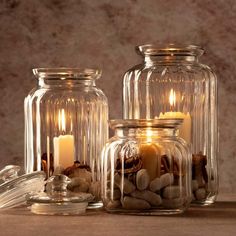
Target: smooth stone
pixel 113 204
pixel 173 203
pixel 167 179
pixel 142 179
pixel 131 203
pixel 200 194
pixel 152 198
pixel 127 188
pixel 171 192
pixel 194 185
pixel 155 185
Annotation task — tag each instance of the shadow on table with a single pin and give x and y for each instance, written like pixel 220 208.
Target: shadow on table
pixel 218 210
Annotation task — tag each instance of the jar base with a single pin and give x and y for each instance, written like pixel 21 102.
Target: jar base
pixel 154 212
pixel 206 202
pixel 95 205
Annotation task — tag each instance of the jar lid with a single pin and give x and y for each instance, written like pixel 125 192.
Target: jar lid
pixel 14 188
pixel 58 200
pixel 146 123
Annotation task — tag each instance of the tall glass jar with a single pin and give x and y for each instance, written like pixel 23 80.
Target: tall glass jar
pixel 66 126
pixel 146 168
pixel 171 83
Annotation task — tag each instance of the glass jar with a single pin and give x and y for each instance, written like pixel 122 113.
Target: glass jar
pixel 146 168
pixel 171 83
pixel 66 127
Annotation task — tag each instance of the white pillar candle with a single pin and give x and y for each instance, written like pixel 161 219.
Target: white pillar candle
pixel 185 128
pixel 63 145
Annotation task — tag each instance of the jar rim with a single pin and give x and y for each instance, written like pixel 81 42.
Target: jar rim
pixel 62 73
pixel 146 123
pixel 169 49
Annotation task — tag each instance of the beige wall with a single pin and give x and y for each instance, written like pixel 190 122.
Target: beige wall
pixel 103 33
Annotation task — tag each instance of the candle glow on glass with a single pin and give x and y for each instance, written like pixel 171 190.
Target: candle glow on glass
pixel 185 129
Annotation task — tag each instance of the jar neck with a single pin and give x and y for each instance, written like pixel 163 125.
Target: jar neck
pixel 169 59
pixel 146 133
pixel 169 54
pixel 60 82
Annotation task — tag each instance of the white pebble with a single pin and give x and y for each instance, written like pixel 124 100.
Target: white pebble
pixel 142 179
pixel 131 203
pixel 171 192
pixel 152 198
pixel 200 194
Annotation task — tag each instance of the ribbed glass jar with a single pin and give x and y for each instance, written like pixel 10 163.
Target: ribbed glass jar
pixel 66 126
pixel 146 168
pixel 171 83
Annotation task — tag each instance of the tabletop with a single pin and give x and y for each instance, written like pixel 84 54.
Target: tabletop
pixel 217 219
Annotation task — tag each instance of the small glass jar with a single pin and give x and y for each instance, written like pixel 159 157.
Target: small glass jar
pixel 66 127
pixel 172 83
pixel 146 168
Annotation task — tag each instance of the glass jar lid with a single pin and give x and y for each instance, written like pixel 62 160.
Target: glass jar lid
pixel 58 200
pixel 14 188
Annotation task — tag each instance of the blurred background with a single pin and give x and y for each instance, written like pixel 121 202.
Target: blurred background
pixel 91 33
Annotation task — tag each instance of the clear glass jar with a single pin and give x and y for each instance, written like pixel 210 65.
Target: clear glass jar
pixel 66 127
pixel 171 83
pixel 146 168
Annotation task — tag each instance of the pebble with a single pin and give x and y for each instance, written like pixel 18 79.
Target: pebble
pixel 200 194
pixel 167 179
pixel 142 179
pixel 114 204
pixel 194 185
pixel 171 192
pixel 172 203
pixel 128 187
pixel 131 203
pixel 152 198
pixel 116 194
pixel 155 185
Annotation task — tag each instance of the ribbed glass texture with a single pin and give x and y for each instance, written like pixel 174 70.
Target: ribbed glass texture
pixel 146 168
pixel 66 126
pixel 171 83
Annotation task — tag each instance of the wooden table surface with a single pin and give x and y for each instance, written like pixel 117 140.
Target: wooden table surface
pixel 218 219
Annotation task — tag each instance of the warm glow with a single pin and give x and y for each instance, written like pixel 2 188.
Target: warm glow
pixel 62 120
pixel 172 97
pixel 149 135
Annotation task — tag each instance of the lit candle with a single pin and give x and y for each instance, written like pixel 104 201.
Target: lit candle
pixel 63 145
pixel 151 156
pixel 185 129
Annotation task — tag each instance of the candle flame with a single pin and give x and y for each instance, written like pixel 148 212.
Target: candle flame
pixel 62 120
pixel 172 98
